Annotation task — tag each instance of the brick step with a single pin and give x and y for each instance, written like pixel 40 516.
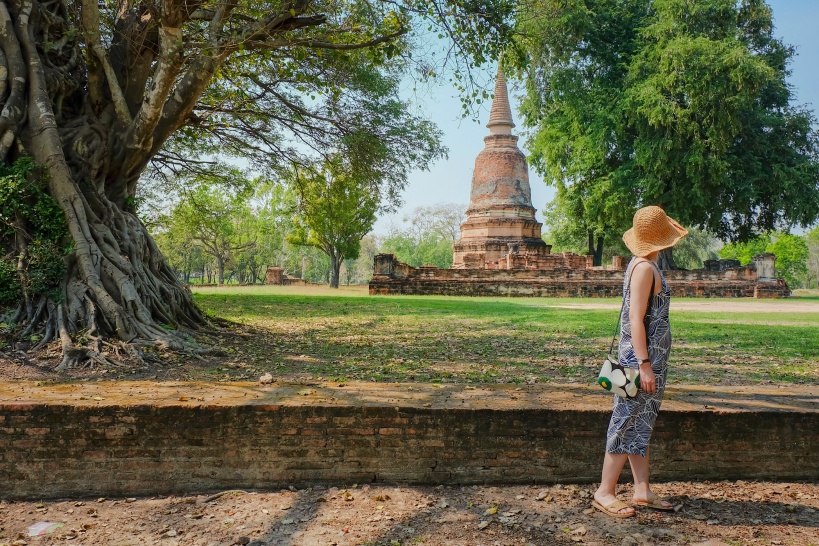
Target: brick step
pixel 145 438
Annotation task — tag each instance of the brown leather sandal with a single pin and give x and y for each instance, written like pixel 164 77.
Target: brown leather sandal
pixel 655 503
pixel 613 509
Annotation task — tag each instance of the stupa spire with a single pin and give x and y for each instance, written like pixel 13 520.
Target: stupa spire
pixel 500 116
pixel 500 219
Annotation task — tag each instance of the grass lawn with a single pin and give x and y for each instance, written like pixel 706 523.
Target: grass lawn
pixel 344 335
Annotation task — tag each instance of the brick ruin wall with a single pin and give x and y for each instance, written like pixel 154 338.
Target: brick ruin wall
pixel 247 437
pixel 276 275
pixel 570 275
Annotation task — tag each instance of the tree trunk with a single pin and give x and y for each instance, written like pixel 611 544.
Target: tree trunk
pixel 590 233
pixel 117 284
pixel 220 268
pixel 596 250
pixel 335 267
pixel 665 260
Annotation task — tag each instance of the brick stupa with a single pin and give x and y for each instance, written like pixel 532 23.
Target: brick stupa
pixel 500 219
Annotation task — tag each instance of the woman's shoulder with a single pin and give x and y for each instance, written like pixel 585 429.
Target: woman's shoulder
pixel 640 271
pixel 643 275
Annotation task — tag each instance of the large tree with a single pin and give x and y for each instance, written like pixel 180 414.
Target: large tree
pixel 96 91
pixel 677 103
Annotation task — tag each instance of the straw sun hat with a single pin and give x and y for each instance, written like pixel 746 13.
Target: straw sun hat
pixel 652 230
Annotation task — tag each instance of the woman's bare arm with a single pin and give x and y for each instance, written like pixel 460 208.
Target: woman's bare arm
pixel 639 290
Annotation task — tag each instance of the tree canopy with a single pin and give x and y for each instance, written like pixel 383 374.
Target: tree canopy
pixel 677 103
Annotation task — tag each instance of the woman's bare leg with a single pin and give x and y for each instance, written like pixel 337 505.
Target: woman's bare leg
pixel 613 464
pixel 640 471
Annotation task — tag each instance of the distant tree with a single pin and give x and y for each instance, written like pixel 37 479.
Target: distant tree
pixel 370 245
pixel 184 255
pixel 427 236
pixel 335 210
pixel 274 204
pixel 691 252
pixel 745 251
pixel 677 103
pixel 791 258
pixel 442 221
pixel 566 232
pixel 219 221
pixel 425 249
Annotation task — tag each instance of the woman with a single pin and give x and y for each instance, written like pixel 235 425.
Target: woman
pixel 646 348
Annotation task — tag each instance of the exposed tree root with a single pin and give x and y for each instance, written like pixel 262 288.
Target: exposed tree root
pixel 119 297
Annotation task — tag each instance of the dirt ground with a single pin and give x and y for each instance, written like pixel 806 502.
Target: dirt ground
pixel 712 514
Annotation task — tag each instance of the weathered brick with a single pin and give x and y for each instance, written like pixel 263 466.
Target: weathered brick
pixel 390 431
pixel 530 273
pixel 145 449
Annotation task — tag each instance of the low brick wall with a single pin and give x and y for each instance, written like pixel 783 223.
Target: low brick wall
pixel 391 277
pixel 98 439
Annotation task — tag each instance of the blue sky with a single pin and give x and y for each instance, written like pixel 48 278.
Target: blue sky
pixel 449 180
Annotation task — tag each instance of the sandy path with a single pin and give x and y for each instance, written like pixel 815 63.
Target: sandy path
pixel 719 306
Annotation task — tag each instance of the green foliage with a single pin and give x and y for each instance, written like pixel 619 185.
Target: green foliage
pixel 692 251
pixel 10 289
pixel 24 204
pixel 744 252
pixel 426 250
pixel 44 269
pixel 791 258
pixel 566 232
pixel 32 227
pixel 428 236
pixel 677 103
pixel 812 263
pixel 791 252
pixel 215 216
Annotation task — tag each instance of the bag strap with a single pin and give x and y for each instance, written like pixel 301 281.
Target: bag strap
pixel 648 306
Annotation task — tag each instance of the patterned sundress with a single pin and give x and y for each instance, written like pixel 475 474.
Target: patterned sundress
pixel 632 420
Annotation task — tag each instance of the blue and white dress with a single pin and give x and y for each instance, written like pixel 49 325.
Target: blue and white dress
pixel 632 421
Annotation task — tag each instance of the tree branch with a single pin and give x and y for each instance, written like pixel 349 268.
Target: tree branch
pixel 284 100
pixel 15 107
pixel 139 138
pixel 318 44
pixel 285 20
pixel 185 95
pixel 90 21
